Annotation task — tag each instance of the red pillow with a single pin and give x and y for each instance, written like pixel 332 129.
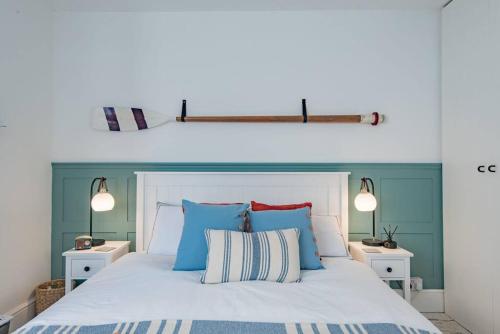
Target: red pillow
pixel 264 207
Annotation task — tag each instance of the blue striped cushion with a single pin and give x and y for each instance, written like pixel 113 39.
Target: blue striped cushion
pixel 239 256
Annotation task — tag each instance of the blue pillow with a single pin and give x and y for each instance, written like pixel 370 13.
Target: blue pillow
pixel 192 250
pixel 285 219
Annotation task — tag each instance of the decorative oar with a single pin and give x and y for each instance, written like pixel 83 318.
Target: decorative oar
pixel 135 119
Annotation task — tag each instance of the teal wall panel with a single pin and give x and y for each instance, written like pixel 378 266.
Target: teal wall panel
pixel 409 195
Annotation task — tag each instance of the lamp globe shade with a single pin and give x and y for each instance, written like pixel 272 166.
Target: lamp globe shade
pixel 102 201
pixel 365 201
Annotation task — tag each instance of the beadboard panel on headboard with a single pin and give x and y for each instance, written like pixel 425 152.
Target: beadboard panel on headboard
pixel 409 195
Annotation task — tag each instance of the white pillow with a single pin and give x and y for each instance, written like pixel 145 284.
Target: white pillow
pixel 239 256
pixel 329 236
pixel 167 229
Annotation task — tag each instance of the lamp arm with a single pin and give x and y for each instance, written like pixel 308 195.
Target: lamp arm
pixel 90 201
pixel 373 212
pixel 371 184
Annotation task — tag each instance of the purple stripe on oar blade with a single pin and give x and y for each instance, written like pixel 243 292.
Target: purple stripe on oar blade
pixel 110 114
pixel 139 118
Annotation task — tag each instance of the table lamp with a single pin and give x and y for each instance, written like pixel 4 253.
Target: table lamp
pixel 101 201
pixel 365 201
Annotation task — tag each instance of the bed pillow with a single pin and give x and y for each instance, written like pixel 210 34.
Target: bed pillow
pixel 240 256
pixel 167 229
pixel 192 250
pixel 283 219
pixel 256 206
pixel 329 236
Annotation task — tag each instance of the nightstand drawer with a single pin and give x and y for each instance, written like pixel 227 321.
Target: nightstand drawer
pixel 83 268
pixel 389 268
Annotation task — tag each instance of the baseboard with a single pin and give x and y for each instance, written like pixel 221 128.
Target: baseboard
pixel 22 314
pixel 427 300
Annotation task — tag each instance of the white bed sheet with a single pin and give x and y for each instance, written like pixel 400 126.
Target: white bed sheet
pixel 143 287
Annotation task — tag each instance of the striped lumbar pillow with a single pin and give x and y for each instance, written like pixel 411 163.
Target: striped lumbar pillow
pixel 239 256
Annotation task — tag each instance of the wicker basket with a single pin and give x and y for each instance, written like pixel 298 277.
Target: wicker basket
pixel 48 293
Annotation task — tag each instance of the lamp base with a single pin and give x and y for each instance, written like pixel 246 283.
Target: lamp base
pixel 98 242
pixel 372 242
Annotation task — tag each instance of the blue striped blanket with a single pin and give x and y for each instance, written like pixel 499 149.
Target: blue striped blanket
pixel 221 327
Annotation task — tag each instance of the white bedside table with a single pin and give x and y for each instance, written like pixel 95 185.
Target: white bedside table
pixel 389 264
pixel 85 263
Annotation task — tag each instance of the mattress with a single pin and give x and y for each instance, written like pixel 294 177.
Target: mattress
pixel 141 287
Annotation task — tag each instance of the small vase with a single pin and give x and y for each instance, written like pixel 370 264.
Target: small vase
pixel 391 244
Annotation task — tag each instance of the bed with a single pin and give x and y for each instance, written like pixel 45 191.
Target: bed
pixel 140 293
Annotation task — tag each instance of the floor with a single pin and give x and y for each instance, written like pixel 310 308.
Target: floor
pixel 445 323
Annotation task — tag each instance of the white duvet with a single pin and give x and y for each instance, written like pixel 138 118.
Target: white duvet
pixel 143 287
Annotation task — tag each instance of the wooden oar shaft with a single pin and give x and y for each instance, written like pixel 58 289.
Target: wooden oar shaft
pixel 334 118
pixel 274 119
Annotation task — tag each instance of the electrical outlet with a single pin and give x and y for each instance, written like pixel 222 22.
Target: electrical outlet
pixel 416 283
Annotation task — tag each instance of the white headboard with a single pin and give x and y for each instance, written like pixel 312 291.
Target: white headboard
pixel 327 191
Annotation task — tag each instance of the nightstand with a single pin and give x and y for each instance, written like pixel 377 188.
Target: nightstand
pixel 83 264
pixel 389 264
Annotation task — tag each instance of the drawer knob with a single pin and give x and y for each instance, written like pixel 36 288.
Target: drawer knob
pixel 389 269
pixel 86 268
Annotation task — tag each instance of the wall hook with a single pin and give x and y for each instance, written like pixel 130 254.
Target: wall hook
pixel 184 111
pixel 304 110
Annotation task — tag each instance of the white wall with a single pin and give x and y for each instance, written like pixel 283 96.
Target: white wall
pixel 250 63
pixel 25 174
